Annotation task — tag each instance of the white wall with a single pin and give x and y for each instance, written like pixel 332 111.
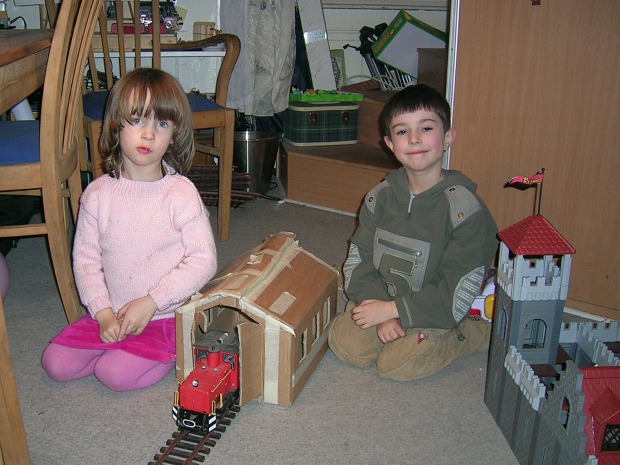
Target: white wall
pixel 197 10
pixel 343 25
pixel 29 13
pixel 193 73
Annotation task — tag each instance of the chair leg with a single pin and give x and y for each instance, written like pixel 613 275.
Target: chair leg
pixel 13 444
pixel 226 139
pixel 58 240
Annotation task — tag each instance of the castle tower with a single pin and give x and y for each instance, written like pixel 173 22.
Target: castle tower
pixel 532 279
pixel 532 285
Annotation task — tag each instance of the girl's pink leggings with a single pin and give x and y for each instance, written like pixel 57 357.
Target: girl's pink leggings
pixel 116 369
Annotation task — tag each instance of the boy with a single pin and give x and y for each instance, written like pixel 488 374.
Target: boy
pixel 418 257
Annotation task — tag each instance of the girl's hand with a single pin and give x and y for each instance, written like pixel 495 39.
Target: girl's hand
pixel 390 330
pixel 135 315
pixel 109 327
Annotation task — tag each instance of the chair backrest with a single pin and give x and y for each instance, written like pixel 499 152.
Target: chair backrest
pixel 61 107
pixel 140 30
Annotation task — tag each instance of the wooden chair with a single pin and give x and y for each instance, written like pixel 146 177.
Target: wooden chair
pixel 144 43
pixel 13 445
pixel 41 157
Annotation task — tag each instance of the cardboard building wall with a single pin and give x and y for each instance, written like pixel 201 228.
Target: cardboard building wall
pixel 280 299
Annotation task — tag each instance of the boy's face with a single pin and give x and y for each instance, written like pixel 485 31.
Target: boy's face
pixel 418 141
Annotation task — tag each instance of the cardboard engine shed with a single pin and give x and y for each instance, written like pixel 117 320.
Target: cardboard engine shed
pixel 280 299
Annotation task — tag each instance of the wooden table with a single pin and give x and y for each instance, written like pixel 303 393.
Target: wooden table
pixel 23 59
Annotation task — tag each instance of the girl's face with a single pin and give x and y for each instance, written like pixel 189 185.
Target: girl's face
pixel 418 141
pixel 144 142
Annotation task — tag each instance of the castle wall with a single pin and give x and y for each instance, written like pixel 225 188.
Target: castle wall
pixel 559 427
pixel 525 433
pixel 534 420
pixel 494 384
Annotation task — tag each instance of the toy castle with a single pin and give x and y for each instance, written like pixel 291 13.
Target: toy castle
pixel 553 388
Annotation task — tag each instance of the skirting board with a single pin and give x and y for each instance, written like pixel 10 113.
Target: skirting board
pixel 319 207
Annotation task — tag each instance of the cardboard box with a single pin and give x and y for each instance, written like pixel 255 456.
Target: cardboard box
pixel 334 177
pixel 433 68
pixel 280 299
pixel 370 112
pixel 327 123
pixel 203 30
pixel 399 43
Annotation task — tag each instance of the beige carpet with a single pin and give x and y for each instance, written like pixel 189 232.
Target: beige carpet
pixel 344 415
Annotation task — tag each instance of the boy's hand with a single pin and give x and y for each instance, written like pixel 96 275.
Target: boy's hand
pixel 135 315
pixel 109 327
pixel 390 330
pixel 373 312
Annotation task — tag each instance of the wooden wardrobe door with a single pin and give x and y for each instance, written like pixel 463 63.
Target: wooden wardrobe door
pixel 538 86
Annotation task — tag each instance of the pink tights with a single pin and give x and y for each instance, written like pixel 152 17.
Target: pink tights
pixel 116 369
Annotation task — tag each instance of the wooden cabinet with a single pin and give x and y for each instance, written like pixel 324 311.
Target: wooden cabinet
pixel 433 67
pixel 337 176
pixel 538 86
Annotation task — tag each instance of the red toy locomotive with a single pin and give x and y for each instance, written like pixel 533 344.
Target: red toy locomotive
pixel 213 381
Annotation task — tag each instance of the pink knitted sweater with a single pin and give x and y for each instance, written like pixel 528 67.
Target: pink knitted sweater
pixel 135 238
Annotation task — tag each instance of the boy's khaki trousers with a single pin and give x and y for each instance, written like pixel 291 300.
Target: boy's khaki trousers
pixel 419 354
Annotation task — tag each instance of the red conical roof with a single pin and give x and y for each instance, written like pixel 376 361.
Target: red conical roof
pixel 535 236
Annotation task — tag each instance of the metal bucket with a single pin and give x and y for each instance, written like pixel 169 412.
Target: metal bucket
pixel 255 153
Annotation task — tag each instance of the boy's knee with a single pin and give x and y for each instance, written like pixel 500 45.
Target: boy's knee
pixel 417 357
pixel 352 344
pixel 478 332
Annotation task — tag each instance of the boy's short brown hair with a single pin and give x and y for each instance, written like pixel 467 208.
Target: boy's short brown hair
pixel 414 98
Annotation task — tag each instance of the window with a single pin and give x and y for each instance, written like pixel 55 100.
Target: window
pixel 565 412
pixel 317 327
pixel 302 349
pixel 326 307
pixel 611 440
pixel 534 334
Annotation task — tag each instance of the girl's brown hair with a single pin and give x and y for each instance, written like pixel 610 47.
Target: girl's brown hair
pixel 129 97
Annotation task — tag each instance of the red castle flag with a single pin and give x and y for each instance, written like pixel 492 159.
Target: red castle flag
pixel 528 180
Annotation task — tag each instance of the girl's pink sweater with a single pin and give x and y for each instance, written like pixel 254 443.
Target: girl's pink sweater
pixel 136 238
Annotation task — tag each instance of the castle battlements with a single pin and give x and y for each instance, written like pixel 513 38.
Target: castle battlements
pixel 607 331
pixel 591 338
pixel 523 375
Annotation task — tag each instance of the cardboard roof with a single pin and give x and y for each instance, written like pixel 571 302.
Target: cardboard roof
pixel 248 283
pixel 535 235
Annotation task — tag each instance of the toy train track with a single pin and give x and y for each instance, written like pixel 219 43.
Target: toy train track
pixel 190 447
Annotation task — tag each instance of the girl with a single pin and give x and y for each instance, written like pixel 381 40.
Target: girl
pixel 143 242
